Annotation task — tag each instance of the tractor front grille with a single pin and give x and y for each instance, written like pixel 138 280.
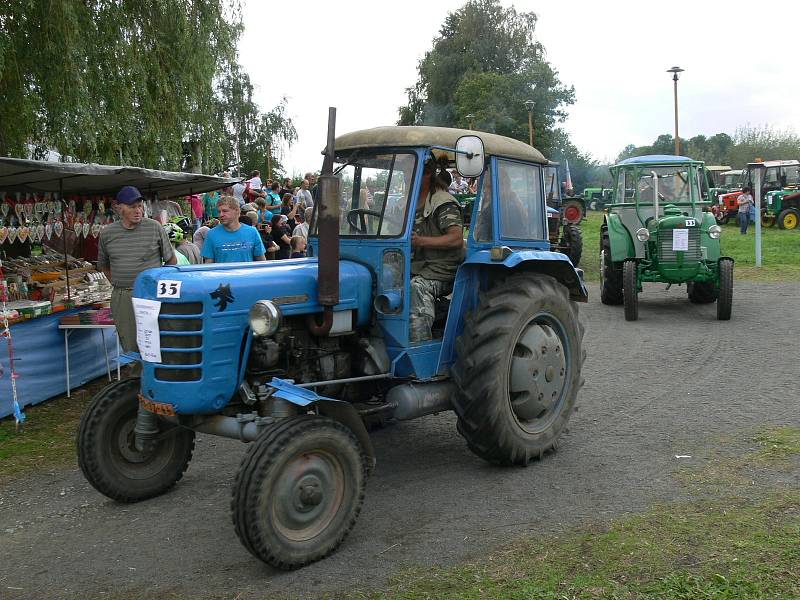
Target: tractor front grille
pixel 181 335
pixel 669 256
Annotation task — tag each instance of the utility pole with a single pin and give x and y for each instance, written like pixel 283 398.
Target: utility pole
pixel 675 71
pixel 529 104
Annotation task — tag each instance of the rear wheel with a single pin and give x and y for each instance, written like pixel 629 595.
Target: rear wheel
pixel 767 220
pixel 298 491
pixel 572 211
pixel 788 218
pixel 518 369
pixel 610 274
pixel 701 292
pixel 630 291
pixel 107 452
pixel 572 243
pixel 725 300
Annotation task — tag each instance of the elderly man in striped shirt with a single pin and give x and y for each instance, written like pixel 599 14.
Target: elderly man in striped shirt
pixel 128 247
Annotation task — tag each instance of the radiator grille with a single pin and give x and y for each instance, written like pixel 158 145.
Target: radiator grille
pixel 181 333
pixel 669 256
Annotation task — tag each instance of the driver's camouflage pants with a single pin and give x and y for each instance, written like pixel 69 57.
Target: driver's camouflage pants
pixel 424 293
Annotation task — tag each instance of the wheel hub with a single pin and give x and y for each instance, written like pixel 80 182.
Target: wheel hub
pixel 307 495
pixel 538 374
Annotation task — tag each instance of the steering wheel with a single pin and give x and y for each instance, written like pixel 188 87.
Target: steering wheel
pixel 360 212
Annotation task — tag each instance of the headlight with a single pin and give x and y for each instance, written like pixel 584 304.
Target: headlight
pixel 264 318
pixel 714 232
pixel 642 235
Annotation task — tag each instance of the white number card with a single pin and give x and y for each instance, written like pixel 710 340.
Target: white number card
pixel 166 288
pixel 680 240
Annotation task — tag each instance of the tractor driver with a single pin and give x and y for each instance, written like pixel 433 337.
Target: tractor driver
pixel 437 243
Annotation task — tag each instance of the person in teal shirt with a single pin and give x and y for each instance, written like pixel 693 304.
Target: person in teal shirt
pixel 210 200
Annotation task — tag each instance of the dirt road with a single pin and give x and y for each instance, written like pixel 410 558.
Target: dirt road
pixel 669 384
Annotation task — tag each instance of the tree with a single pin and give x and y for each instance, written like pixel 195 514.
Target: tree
pixel 128 83
pixel 486 62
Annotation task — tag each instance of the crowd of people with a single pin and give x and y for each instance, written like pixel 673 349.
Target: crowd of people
pixel 252 220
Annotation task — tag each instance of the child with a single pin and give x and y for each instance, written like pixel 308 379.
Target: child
pixel 298 247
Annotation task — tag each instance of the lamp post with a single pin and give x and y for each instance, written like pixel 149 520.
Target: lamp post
pixel 675 71
pixel 757 169
pixel 529 104
pixel 470 119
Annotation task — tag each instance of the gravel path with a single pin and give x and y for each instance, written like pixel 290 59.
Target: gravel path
pixel 669 384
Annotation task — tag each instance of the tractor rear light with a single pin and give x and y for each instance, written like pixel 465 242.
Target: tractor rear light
pixel 714 232
pixel 642 235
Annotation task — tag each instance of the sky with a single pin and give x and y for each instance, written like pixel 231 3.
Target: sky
pixel 360 56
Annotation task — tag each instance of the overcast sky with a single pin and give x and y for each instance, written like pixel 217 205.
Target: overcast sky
pixel 359 56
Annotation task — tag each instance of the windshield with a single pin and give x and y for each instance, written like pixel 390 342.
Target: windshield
pixel 373 193
pixel 675 184
pixel 730 180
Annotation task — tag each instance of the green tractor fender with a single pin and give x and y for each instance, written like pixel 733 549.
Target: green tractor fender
pixel 619 238
pixel 712 246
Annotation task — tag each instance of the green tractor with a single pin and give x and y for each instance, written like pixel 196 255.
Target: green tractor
pixel 782 207
pixel 656 229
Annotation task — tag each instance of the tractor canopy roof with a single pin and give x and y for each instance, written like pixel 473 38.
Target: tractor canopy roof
pixel 781 163
pixel 656 159
pixel 720 168
pixel 420 136
pixel 733 172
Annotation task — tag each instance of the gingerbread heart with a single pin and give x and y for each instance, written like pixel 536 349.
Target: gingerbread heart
pixel 12 235
pixel 29 208
pixel 48 230
pixel 5 207
pixel 22 233
pixel 3 234
pixel 86 228
pixel 40 231
pixel 19 209
pixel 96 228
pixel 58 228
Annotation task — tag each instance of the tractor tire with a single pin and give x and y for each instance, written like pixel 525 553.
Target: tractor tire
pixel 572 243
pixel 701 292
pixel 107 454
pixel 630 292
pixel 725 300
pixel 610 274
pixel 593 205
pixel 788 218
pixel 518 369
pixel 573 211
pixel 723 218
pixel 298 491
pixel 767 220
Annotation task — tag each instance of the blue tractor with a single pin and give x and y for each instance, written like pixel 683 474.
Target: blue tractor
pixel 299 356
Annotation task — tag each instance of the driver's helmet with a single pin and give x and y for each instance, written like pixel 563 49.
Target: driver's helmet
pixel 174 232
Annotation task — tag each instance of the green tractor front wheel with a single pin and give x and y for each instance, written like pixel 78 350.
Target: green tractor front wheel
pixel 630 290
pixel 788 218
pixel 725 300
pixel 767 220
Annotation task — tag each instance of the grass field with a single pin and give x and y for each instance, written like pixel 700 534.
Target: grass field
pixel 780 251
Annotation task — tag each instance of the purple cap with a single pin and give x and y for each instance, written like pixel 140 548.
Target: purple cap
pixel 128 195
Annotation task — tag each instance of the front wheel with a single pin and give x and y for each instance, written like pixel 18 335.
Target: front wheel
pixel 298 491
pixel 107 452
pixel 630 290
pixel 572 243
pixel 725 300
pixel 767 220
pixel 610 274
pixel 573 211
pixel 518 369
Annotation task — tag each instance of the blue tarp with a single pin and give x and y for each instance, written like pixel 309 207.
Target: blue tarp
pixel 40 361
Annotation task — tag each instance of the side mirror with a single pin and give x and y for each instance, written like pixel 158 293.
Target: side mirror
pixel 469 156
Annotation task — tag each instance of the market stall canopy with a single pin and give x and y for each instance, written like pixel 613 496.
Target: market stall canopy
pixel 38 176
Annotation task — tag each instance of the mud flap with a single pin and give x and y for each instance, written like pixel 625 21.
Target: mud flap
pixel 339 410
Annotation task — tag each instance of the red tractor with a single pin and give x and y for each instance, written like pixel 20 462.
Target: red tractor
pixel 777 175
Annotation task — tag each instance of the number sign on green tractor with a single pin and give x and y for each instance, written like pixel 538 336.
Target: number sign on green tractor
pixel 656 229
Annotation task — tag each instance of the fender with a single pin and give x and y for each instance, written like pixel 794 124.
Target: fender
pixel 620 240
pixel 712 246
pixel 338 410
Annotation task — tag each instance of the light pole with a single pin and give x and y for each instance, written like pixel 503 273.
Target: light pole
pixel 529 104
pixel 470 119
pixel 675 71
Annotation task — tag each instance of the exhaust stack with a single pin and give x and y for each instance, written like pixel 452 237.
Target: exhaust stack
pixel 328 227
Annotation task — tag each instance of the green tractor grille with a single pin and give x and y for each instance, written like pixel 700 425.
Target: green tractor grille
pixel 666 255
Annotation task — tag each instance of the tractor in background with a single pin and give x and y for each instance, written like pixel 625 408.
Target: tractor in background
pixel 777 175
pixel 564 234
pixel 656 230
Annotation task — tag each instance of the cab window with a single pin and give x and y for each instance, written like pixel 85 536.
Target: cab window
pixel 520 201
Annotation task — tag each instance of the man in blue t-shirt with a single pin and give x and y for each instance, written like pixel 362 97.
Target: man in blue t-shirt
pixel 232 241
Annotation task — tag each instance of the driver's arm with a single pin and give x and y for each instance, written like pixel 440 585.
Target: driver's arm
pixel 453 238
